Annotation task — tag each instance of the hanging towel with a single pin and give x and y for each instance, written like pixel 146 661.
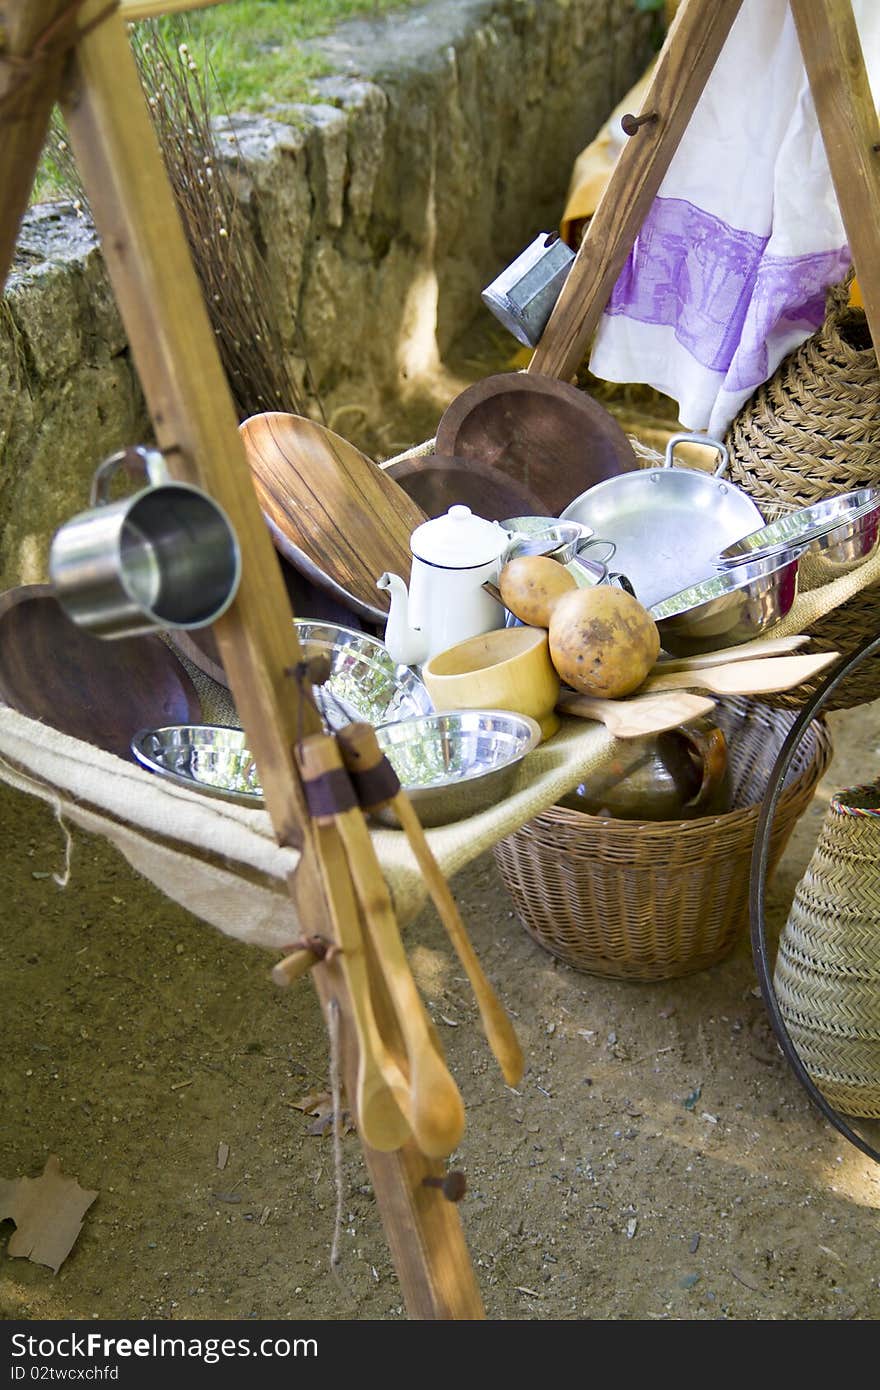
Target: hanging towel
pixel 729 270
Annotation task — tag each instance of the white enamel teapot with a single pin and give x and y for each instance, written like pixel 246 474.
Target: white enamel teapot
pixel 453 557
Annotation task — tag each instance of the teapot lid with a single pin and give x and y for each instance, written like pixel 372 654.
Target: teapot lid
pixel 458 540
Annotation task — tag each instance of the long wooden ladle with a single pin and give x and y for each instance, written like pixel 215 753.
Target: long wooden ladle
pixel 435 1109
pixel 363 758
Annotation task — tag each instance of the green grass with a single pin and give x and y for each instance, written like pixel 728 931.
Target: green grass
pixel 255 46
pixel 254 50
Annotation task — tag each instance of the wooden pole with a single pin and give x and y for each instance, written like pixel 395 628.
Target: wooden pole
pixel 850 129
pixel 692 45
pixel 26 101
pixel 191 408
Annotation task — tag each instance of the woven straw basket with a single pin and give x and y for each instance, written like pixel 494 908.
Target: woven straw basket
pixel 811 431
pixel 827 976
pixel 650 901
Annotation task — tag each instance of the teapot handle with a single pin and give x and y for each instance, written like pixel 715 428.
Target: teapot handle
pixel 710 751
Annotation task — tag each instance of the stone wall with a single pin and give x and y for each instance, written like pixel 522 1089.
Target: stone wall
pixel 441 147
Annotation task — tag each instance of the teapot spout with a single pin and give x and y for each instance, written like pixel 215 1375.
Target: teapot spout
pixel 407 645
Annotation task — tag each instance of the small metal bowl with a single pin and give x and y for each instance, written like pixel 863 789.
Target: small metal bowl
pixel 457 763
pixel 207 758
pixel 545 535
pixel 844 530
pixel 450 765
pixel 732 606
pixel 364 682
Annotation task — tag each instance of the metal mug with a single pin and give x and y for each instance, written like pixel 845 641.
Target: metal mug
pixel 165 557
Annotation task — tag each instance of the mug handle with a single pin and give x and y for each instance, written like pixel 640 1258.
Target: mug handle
pixel 710 750
pixel 138 461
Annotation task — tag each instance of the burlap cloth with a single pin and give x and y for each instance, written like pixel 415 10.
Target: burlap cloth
pixel 220 860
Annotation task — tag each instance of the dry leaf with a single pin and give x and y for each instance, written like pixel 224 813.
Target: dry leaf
pixel 307 1102
pixel 320 1104
pixel 48 1213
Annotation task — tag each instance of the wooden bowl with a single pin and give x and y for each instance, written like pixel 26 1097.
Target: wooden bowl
pixel 437 482
pixel 509 669
pixel 540 432
pixel 98 690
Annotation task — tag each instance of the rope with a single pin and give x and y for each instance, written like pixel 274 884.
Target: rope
pixel 52 44
pixel 25 783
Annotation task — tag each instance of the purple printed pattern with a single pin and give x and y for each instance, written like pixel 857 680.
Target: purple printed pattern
pixel 713 285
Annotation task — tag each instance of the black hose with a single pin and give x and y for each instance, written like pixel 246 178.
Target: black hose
pixel 760 858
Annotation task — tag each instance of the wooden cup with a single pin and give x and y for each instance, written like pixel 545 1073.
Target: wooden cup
pixel 508 669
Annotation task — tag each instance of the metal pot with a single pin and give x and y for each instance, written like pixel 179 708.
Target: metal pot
pixel 734 606
pixel 668 524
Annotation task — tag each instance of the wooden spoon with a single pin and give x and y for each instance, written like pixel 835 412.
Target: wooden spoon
pixel 772 646
pixel 363 756
pixel 381 1100
pixel 435 1108
pixel 650 714
pixel 763 676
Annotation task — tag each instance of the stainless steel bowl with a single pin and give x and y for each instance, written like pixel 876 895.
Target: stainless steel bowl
pixel 206 758
pixel 364 683
pixel 844 530
pixel 450 765
pixel 457 763
pixel 545 535
pixel 732 606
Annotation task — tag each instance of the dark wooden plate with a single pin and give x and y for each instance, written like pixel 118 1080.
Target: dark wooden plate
pixel 95 689
pixel 437 482
pixel 549 436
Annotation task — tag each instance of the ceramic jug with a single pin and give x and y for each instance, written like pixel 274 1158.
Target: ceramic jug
pixel 453 557
pixel 677 775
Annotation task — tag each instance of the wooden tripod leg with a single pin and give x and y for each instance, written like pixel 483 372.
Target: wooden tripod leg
pixel 26 101
pixel 177 361
pixel 835 66
pixel 692 45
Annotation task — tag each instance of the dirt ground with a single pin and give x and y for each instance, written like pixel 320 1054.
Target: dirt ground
pixel 136 1040
pixel 659 1160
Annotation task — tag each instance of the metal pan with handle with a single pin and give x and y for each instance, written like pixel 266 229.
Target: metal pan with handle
pixel 668 523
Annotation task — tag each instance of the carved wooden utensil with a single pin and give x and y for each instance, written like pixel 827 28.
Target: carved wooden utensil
pixel 435 1109
pixel 768 646
pixel 760 676
pixel 94 689
pixel 543 433
pixel 336 516
pixel 363 760
pixel 648 714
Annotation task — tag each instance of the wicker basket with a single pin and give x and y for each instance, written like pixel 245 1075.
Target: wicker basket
pixel 827 976
pixel 643 901
pixel 811 431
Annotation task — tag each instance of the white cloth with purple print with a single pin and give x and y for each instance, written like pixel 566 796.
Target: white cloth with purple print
pixel 729 271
